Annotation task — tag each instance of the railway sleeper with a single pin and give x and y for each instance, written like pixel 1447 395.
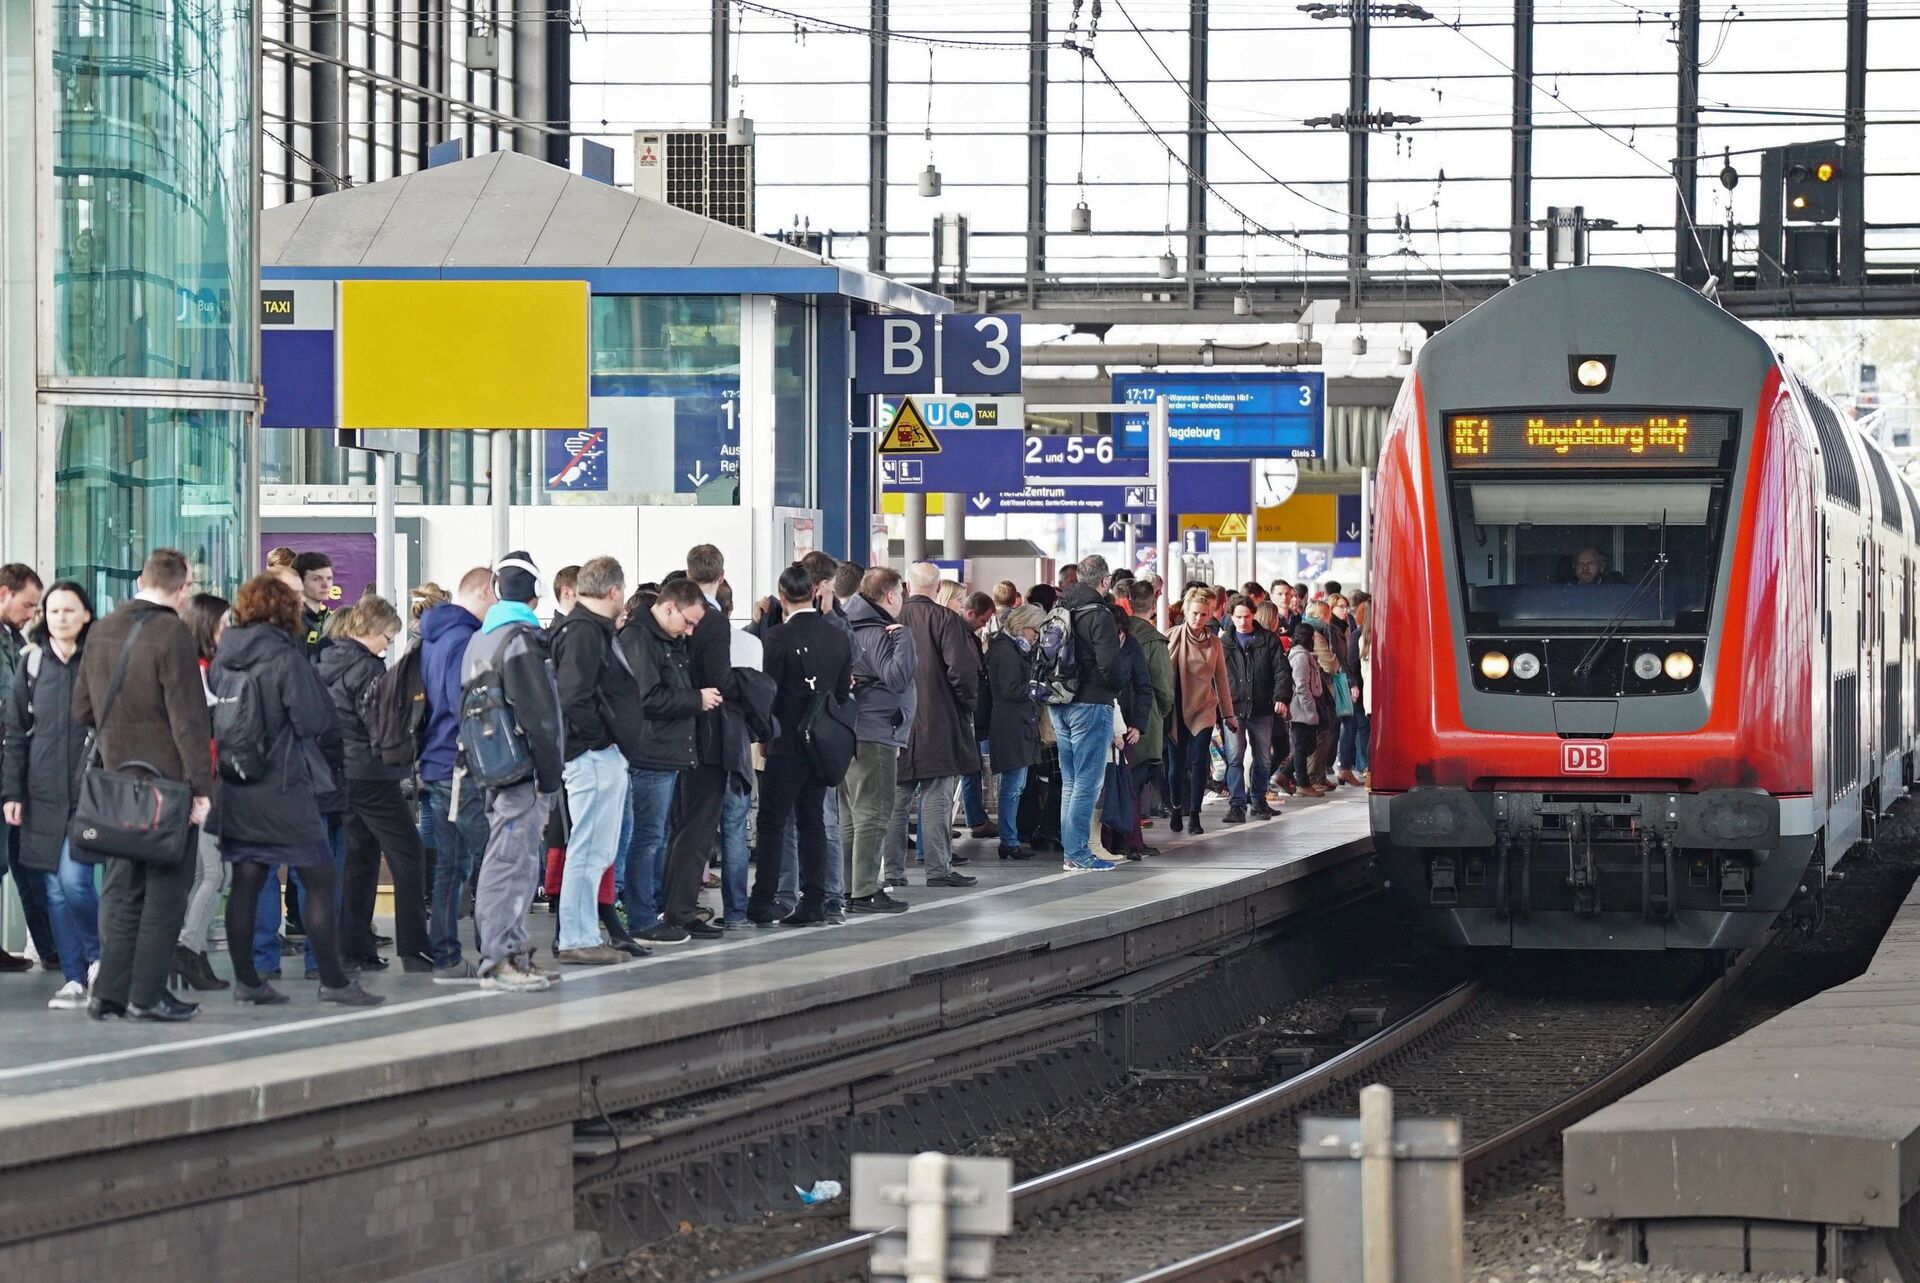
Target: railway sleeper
pixel 1742 1245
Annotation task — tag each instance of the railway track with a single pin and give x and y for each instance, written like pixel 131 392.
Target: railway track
pixel 1204 1195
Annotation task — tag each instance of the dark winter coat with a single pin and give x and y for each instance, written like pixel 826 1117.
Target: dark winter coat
pixel 1096 646
pixel 444 632
pixel 347 669
pixel 805 654
pixel 12 642
pixel 314 620
pixel 1013 721
pixel 45 748
pixel 282 808
pixel 160 715
pixel 1153 644
pixel 1136 695
pixel 885 662
pixel 947 684
pixel 1256 672
pixel 599 697
pixel 669 701
pixel 710 650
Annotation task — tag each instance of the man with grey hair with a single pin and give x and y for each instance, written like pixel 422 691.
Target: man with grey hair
pixel 941 746
pixel 1084 728
pixel 600 704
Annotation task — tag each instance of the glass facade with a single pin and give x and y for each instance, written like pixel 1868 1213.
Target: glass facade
pixel 152 189
pixel 792 403
pixel 149 199
pixel 131 480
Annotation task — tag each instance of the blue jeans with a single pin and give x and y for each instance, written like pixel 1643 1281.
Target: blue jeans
pixel 972 793
pixel 651 793
pixel 73 914
pixel 459 841
pixel 1012 784
pixel 1356 740
pixel 1259 730
pixel 596 794
pixel 1085 733
pixel 266 919
pixel 734 863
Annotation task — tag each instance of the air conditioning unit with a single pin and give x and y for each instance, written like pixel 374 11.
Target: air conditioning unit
pixel 696 170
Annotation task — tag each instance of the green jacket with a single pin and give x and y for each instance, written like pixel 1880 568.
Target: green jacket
pixel 1152 745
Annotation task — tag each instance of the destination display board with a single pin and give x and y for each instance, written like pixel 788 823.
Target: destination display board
pixel 1589 439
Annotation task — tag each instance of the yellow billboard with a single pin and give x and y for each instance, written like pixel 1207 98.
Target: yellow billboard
pixel 489 355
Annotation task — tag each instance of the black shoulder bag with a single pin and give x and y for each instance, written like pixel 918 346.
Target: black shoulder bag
pixel 132 813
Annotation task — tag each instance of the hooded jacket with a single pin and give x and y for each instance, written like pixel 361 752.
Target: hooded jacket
pixel 947 683
pixel 511 641
pixel 444 632
pixel 347 669
pixel 884 664
pixel 45 748
pixel 282 808
pixel 1096 646
pixel 669 701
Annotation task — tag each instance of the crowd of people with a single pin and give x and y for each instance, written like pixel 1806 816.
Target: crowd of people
pixel 618 756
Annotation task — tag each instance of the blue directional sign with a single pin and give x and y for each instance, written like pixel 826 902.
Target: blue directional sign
pixel 1346 525
pixel 1081 458
pixel 706 434
pixel 893 354
pixel 576 461
pixel 983 461
pixel 1271 414
pixel 1053 500
pixel 1205 487
pixel 980 353
pixel 1113 526
pixel 1194 542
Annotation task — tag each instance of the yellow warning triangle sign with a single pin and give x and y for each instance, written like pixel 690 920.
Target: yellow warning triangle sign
pixel 909 433
pixel 1232 526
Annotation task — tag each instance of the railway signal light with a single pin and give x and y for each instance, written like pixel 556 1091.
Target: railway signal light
pixel 1812 174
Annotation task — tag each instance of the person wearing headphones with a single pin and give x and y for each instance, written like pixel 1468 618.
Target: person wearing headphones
pixel 510 650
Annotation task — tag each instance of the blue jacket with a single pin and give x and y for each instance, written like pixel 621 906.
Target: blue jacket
pixel 444 633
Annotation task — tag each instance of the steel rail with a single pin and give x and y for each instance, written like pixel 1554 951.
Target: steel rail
pixel 1265 1254
pixel 1084 1181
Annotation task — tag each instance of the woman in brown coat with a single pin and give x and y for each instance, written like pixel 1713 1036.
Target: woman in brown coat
pixel 1202 700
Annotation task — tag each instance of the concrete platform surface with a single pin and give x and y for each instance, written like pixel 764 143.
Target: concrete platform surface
pixel 72 1086
pixel 1813 1116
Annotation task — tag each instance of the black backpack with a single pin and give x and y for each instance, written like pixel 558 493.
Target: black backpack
pixel 240 738
pixel 394 708
pixel 492 745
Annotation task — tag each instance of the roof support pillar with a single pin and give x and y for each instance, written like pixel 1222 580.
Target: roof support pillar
pixel 1520 217
pixel 1688 261
pixel 1196 137
pixel 327 95
pixel 877 20
pixel 722 72
pixel 1359 96
pixel 1853 168
pixel 1036 143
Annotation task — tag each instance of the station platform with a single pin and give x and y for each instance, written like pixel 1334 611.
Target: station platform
pixel 1792 1148
pixel 236 1122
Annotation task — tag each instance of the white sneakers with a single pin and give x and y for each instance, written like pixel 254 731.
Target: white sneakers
pixel 72 997
pixel 513 976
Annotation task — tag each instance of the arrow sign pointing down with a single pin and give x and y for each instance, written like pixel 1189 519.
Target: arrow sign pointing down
pixel 699 475
pixel 1353 532
pixel 982 501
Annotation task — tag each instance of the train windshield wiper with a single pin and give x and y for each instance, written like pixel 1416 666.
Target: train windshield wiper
pixel 1655 571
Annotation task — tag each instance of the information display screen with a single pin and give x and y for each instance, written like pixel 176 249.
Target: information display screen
pixel 1588 439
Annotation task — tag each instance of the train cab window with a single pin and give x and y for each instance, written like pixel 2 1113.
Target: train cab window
pixel 1559 555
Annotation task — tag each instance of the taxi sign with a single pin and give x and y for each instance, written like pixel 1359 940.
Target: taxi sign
pixel 909 433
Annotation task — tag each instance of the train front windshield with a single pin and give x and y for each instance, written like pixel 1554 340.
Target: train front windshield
pixel 1563 554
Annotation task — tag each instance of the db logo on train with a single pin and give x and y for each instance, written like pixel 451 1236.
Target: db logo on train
pixel 1583 757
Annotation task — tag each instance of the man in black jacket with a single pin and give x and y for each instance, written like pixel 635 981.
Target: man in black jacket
pixel 703 788
pixel 511 645
pixel 1084 728
pixel 1257 674
pixel 811 663
pixel 655 644
pixel 601 705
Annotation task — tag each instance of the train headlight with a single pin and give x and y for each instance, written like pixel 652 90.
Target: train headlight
pixel 1526 666
pixel 1493 665
pixel 1679 666
pixel 1646 665
pixel 1591 373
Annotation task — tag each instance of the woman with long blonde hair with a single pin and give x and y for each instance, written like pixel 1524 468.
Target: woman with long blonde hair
pixel 1202 700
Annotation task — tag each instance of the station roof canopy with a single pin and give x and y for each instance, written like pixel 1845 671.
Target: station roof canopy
pixel 508 216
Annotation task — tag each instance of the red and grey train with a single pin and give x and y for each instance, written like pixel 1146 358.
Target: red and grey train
pixel 1644 645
